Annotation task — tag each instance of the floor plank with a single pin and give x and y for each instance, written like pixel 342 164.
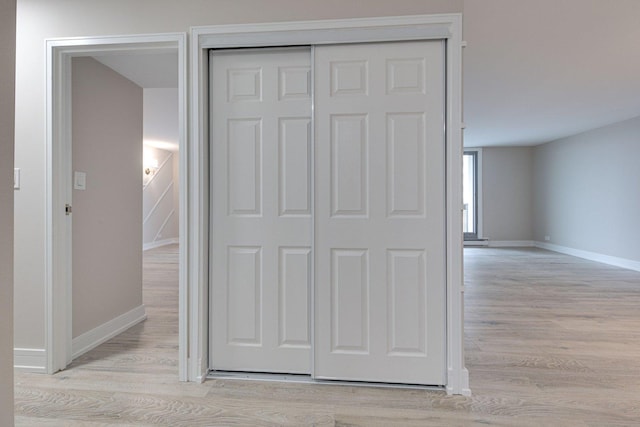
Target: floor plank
pixel 549 339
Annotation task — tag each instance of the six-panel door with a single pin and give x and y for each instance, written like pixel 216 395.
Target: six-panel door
pixel 261 210
pixel 379 214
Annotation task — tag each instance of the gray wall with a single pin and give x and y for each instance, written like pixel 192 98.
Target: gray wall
pixel 107 216
pixel 587 191
pixel 7 62
pixel 507 193
pixel 41 19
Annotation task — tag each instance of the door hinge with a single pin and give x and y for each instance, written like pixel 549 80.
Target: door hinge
pixel 67 209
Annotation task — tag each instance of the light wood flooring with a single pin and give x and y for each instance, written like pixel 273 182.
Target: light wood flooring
pixel 551 340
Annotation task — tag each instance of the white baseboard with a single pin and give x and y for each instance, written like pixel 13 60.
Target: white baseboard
pixel 593 256
pixel 158 243
pixel 476 243
pixel 463 383
pixel 511 243
pixel 30 360
pixel 93 338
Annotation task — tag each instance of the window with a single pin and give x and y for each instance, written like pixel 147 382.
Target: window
pixel 470 196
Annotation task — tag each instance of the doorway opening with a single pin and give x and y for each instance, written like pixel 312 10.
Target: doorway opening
pixel 121 59
pixel 124 118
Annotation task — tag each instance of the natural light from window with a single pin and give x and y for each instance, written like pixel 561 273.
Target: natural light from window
pixel 469 176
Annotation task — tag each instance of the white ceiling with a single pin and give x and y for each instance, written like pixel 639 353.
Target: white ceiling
pixel 534 70
pixel 152 70
pixel 539 70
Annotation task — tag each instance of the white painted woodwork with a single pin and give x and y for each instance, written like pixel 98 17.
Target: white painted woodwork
pixel 261 210
pixel 380 212
pixel 57 296
pixel 446 27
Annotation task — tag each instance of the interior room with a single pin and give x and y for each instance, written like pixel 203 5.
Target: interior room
pixel 512 300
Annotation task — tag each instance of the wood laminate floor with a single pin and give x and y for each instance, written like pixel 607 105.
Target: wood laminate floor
pixel 551 340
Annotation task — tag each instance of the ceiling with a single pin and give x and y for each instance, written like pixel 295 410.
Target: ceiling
pixel 539 70
pixel 149 70
pixel 534 70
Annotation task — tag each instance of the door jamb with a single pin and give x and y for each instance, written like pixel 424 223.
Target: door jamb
pixel 419 27
pixel 59 53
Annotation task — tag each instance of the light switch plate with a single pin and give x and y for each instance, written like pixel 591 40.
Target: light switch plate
pixel 16 178
pixel 79 181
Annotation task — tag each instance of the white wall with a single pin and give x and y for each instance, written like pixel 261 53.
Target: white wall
pixel 507 193
pixel 7 62
pixel 41 19
pixel 160 207
pixel 107 216
pixel 160 125
pixel 587 191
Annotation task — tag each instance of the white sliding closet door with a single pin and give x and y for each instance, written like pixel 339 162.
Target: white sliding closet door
pixel 261 210
pixel 380 212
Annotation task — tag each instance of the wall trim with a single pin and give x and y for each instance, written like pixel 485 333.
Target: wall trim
pixel 59 53
pixel 164 162
pixel 327 31
pixel 159 243
pixel 164 224
pixel 96 336
pixel 160 199
pixel 30 360
pixel 483 243
pixel 592 256
pixel 511 244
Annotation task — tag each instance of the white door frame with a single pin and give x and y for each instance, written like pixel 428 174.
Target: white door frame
pixel 58 274
pixel 420 27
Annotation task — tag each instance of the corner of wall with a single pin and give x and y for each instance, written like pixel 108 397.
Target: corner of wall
pixel 592 256
pixel 581 193
pixel 7 137
pixel 103 333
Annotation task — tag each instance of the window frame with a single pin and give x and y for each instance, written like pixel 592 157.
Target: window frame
pixel 477 192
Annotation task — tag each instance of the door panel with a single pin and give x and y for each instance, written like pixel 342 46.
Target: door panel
pixel 244 293
pixel 380 213
pixel 348 168
pixel 293 313
pixel 294 179
pixel 350 301
pixel 244 150
pixel 261 210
